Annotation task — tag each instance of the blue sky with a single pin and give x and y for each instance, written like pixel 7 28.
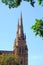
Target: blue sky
pixel 8 26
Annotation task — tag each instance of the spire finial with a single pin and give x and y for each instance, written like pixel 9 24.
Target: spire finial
pixel 20 21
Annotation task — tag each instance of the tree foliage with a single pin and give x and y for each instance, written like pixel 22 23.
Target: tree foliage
pixel 16 3
pixel 38 27
pixel 12 3
pixel 40 2
pixel 9 59
pixel 31 2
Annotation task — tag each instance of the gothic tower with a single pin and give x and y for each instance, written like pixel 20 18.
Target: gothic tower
pixel 20 47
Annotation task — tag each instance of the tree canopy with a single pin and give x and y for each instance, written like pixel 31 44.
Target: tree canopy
pixel 16 3
pixel 9 59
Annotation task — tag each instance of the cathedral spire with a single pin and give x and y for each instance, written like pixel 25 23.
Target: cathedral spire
pixel 20 47
pixel 20 26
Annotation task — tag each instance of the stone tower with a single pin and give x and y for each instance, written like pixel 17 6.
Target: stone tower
pixel 20 47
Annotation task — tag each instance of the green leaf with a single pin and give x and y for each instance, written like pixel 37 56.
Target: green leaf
pixel 38 27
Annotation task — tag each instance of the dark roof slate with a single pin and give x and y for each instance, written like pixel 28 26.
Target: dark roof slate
pixel 5 52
